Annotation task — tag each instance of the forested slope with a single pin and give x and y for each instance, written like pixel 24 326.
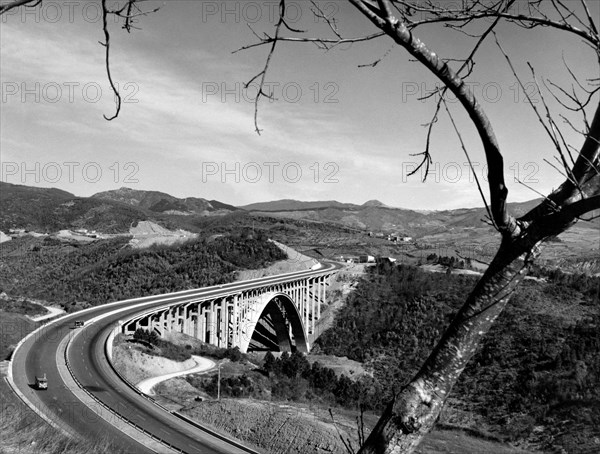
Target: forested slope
pixel 78 275
pixel 536 378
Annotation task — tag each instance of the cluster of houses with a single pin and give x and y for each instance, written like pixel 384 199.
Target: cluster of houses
pixel 393 237
pixel 364 259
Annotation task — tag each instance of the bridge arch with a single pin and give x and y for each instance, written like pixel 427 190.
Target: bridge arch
pixel 278 316
pixel 276 324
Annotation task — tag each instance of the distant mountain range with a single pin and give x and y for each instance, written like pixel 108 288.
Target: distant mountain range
pixel 297 205
pixel 48 209
pixel 376 216
pixel 42 209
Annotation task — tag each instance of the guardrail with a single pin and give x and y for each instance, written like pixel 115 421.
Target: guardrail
pixel 121 417
pixel 190 421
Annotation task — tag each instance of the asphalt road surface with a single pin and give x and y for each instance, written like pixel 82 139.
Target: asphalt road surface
pixel 87 359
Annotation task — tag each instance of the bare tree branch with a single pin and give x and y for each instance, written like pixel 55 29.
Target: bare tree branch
pixel 529 100
pixel 402 36
pixel 322 42
pixel 556 133
pixel 585 158
pixel 462 144
pixel 17 3
pixel 536 191
pixel 376 62
pixel 319 13
pixel 584 173
pixel 592 25
pixel 130 11
pixel 277 37
pixel 262 74
pixel 574 210
pixel 467 62
pixel 467 15
pixel 106 45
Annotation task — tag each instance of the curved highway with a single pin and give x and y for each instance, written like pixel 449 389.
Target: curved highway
pixel 43 352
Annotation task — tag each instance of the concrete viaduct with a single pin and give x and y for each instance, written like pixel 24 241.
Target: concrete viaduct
pixel 277 313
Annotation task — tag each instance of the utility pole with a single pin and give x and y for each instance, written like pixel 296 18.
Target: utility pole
pixel 219 383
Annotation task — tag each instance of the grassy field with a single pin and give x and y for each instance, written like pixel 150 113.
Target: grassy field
pixel 282 428
pixel 275 428
pixel 458 442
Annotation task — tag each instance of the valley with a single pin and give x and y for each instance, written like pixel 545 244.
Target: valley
pixel 531 387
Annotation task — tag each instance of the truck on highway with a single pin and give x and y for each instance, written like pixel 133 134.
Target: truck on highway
pixel 41 382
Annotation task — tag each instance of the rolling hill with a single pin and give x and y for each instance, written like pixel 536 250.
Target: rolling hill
pixel 161 202
pixel 296 205
pixel 50 210
pixel 372 215
pixel 376 216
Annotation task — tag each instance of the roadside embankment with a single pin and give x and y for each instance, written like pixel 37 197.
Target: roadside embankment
pixel 295 262
pixel 137 366
pixel 201 365
pixel 276 428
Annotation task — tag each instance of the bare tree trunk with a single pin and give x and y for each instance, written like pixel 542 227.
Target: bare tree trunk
pixel 414 411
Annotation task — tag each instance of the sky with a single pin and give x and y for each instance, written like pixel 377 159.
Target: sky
pixel 336 131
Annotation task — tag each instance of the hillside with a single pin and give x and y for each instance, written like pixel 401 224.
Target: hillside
pixel 295 205
pixel 533 381
pixel 48 210
pixel 331 227
pixel 452 232
pixel 79 275
pixel 373 215
pixel 365 217
pixel 161 202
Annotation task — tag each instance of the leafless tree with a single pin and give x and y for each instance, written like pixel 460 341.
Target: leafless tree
pixel 414 410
